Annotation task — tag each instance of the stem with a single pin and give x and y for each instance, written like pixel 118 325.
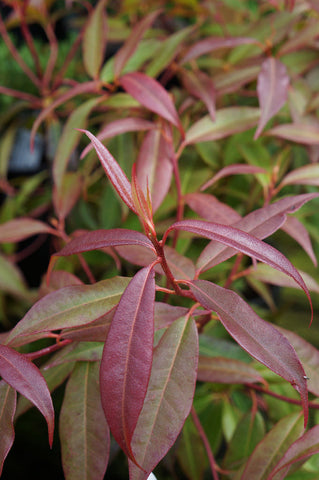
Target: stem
pixel 234 270
pixel 48 350
pixel 60 76
pixel 293 401
pixel 54 48
pixel 21 95
pixel 29 40
pixel 161 255
pixel 206 443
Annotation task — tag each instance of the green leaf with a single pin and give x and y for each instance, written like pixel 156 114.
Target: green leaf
pixel 11 280
pixel 191 452
pixel 83 429
pixel 94 40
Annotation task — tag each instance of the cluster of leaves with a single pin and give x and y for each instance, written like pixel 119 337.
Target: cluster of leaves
pixel 165 348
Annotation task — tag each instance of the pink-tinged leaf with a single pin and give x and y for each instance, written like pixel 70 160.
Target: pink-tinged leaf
pixel 214 43
pixel 123 125
pixel 105 238
pixel 272 448
pixel 127 358
pixel 130 45
pixel 235 169
pixel 208 207
pixel 226 370
pixel 95 331
pixel 169 396
pixel 87 87
pixel 23 376
pixel 228 121
pixel 201 86
pixel 272 89
pixel 260 223
pixel 305 37
pixel 68 307
pixel 20 228
pixel 7 410
pixel 114 172
pixel 94 40
pixel 152 95
pixel 307 175
pixel 233 80
pixel 154 167
pixel 165 314
pixel 68 193
pixel 301 449
pixel 84 433
pixel 298 232
pixel 180 266
pixel 137 255
pixel 245 243
pixel 259 338
pixel 297 132
pixel 58 279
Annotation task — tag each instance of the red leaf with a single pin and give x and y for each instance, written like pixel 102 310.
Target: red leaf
pixel 21 228
pixel 114 172
pixel 201 86
pixel 23 376
pixel 127 358
pixel 272 88
pixel 7 410
pixel 235 169
pixel 259 338
pixel 298 232
pixel 213 43
pixel 154 167
pixel 208 207
pixel 244 243
pixel 123 125
pixel 131 43
pixel 105 238
pixel 169 396
pixel 151 95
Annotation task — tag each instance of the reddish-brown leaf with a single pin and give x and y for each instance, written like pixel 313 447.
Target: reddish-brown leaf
pixel 169 396
pixel 272 89
pixel 226 370
pixel 201 86
pixel 152 95
pixel 208 207
pixel 235 169
pixel 21 228
pixel 259 338
pixel 7 410
pixel 114 172
pixel 297 132
pixel 127 358
pixel 23 376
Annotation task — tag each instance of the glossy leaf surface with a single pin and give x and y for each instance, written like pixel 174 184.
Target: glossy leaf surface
pixel 71 306
pixel 169 396
pixel 272 88
pixel 259 338
pixel 83 429
pixel 127 358
pixel 7 411
pixel 23 376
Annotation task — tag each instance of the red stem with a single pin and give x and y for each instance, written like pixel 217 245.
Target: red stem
pixel 313 405
pixel 48 350
pixel 28 38
pixel 54 48
pixel 60 76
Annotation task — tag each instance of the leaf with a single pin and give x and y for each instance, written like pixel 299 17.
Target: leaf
pixel 11 280
pixel 169 396
pixel 259 338
pixel 296 132
pixel 117 127
pixel 126 52
pixel 7 410
pixel 191 452
pixel 23 376
pixel 298 232
pixel 95 331
pixel 210 208
pixel 70 138
pixel 165 314
pixel 127 358
pixel 201 86
pixel 71 306
pixel 226 370
pixel 271 449
pixel 105 238
pixel 114 172
pixel 307 175
pixel 228 121
pixel 152 95
pixel 94 40
pixel 154 167
pixel 68 193
pixel 272 89
pixel 21 228
pixel 77 352
pixel 301 449
pixel 235 169
pixel 85 438
pixel 213 43
pixel 243 242
pixel 261 223
pixel 180 266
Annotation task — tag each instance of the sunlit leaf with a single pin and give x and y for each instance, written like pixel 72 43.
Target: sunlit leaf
pixel 259 338
pixel 7 410
pixel 272 88
pixel 169 396
pixel 94 40
pixel 83 429
pixel 23 376
pixel 127 358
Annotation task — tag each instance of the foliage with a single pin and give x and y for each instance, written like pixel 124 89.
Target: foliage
pixel 170 320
